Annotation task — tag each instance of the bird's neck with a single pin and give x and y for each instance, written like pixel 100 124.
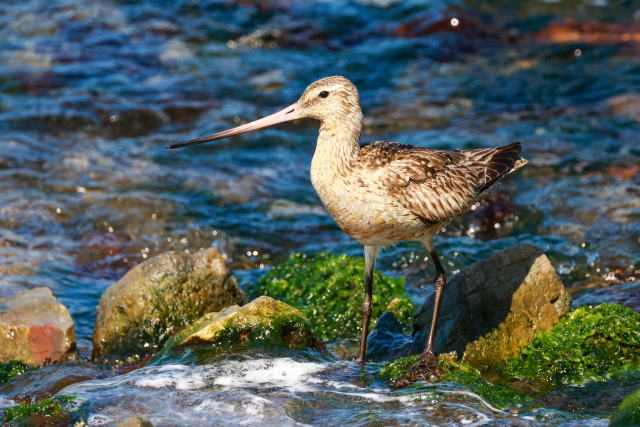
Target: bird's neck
pixel 338 143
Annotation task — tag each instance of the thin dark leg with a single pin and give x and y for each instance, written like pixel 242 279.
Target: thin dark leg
pixel 427 366
pixel 441 280
pixel 370 253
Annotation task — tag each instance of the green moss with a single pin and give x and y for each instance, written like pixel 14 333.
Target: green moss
pixel 587 344
pixel 329 290
pixel 628 413
pixel 396 368
pixel 12 369
pixel 463 376
pixel 51 407
pixel 263 323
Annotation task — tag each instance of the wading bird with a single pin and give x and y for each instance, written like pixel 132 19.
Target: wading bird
pixel 380 193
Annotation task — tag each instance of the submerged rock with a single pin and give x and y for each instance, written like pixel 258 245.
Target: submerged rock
pixel 387 341
pixel 49 412
pixel 329 289
pixel 139 313
pixel 624 105
pixel 489 310
pixel 588 344
pixel 628 413
pixel 136 422
pixel 262 323
pixel 462 376
pixel 572 31
pixel 34 386
pixel 36 328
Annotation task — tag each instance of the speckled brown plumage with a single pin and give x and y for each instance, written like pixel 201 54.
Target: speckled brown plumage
pixel 383 192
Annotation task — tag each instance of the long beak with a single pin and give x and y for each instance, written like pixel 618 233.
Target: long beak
pixel 292 112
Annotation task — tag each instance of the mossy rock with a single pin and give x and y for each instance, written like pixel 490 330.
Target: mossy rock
pixel 462 376
pixel 12 369
pixel 263 323
pixel 628 413
pixel 155 299
pixel 49 410
pixel 329 290
pixel 588 344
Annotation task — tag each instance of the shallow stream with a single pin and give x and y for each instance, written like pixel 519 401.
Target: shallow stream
pixel 92 91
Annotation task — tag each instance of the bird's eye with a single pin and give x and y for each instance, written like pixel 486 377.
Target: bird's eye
pixel 324 94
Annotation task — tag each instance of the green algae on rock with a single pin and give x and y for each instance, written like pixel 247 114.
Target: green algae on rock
pixel 494 306
pixel 52 407
pixel 462 376
pixel 329 289
pixel 589 343
pixel 139 313
pixel 262 323
pixel 12 369
pixel 628 413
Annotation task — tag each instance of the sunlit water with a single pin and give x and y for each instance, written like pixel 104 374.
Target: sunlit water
pixel 92 91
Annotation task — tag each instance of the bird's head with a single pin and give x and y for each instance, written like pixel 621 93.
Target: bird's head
pixel 332 100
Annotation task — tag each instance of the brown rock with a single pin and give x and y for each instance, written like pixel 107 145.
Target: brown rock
pixel 570 31
pixel 495 306
pixel 140 312
pixel 624 105
pixel 36 328
pixel 136 422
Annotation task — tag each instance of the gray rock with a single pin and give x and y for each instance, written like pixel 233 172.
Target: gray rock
pixel 157 298
pixel 387 342
pixel 36 328
pixel 489 310
pixel 46 382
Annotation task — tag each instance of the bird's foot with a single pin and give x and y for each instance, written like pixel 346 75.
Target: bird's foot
pixel 425 368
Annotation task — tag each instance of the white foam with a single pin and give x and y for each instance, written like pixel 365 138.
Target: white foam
pixel 174 376
pixel 287 373
pixel 96 420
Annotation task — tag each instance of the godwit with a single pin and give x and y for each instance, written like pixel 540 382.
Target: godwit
pixel 383 192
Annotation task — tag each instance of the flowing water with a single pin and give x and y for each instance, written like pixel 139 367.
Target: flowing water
pixel 92 91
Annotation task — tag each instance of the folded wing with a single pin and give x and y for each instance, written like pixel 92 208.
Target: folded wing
pixel 438 185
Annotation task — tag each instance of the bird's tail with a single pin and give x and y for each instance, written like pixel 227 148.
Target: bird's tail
pixel 501 161
pixel 520 162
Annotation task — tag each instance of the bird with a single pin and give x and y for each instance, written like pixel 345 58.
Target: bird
pixel 381 193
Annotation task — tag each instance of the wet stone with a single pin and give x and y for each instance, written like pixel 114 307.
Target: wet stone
pixel 628 413
pixel 263 323
pixel 34 386
pixel 36 328
pixel 155 299
pixel 136 422
pixel 387 339
pixel 624 105
pixel 489 310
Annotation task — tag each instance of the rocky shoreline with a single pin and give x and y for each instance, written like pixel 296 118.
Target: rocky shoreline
pixel 508 332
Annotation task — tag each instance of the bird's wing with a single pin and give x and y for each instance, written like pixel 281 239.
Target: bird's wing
pixel 438 185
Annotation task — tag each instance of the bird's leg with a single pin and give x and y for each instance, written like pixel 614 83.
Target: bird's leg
pixel 429 355
pixel 427 366
pixel 370 253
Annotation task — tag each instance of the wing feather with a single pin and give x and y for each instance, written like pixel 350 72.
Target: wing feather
pixel 438 185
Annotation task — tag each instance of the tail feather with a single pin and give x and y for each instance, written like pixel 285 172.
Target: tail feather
pixel 500 162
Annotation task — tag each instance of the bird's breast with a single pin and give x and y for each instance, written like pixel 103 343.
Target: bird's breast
pixel 362 206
